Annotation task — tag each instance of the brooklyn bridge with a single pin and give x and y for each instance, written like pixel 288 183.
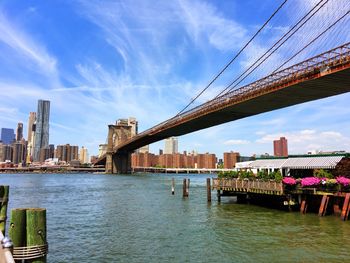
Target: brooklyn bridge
pixel 318 76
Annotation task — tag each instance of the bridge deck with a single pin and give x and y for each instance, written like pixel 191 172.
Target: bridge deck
pixel 322 76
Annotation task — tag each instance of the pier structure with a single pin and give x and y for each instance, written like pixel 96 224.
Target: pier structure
pixel 277 195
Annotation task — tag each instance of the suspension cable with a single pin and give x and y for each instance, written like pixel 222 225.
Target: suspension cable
pixel 297 26
pixel 233 59
pixel 312 41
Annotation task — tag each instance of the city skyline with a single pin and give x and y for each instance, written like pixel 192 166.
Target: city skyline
pixel 104 63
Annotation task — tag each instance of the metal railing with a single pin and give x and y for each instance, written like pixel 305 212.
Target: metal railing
pixel 245 185
pixel 321 64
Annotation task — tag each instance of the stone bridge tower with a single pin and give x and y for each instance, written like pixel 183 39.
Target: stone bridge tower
pixel 119 162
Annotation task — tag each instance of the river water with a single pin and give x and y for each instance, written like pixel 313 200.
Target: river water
pixel 105 218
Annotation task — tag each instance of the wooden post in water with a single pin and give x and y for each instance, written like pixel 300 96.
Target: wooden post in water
pixel 172 186
pixel 303 207
pixel 208 190
pixel 4 196
pixel 17 231
pixel 36 230
pixel 184 188
pixel 323 206
pixel 219 196
pixel 345 210
pixel 188 187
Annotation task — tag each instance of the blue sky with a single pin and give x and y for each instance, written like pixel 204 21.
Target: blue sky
pixel 97 61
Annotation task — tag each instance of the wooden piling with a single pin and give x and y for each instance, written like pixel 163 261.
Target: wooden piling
pixel 4 195
pixel 188 187
pixel 219 196
pixel 17 231
pixel 303 206
pixel 172 186
pixel 323 206
pixel 36 230
pixel 208 190
pixel 345 210
pixel 184 188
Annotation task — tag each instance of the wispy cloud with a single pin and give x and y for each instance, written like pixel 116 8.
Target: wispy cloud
pixel 25 47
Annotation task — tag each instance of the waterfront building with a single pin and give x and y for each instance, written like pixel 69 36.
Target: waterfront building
pixel 42 128
pixel 166 160
pixel 44 154
pixel 52 151
pixel 67 152
pixel 19 132
pixel 5 152
pixel 230 159
pixel 171 145
pixel 143 160
pixel 206 160
pixel 176 160
pixel 83 155
pixel 19 152
pixel 280 147
pixel 7 135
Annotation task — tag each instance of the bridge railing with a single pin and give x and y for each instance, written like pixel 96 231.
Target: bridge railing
pixel 245 185
pixel 319 64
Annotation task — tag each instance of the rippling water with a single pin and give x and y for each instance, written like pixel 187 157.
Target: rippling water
pixel 104 218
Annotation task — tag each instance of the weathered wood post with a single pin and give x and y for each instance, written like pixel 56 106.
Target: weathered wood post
pixel 208 190
pixel 36 230
pixel 172 186
pixel 17 231
pixel 4 195
pixel 303 206
pixel 345 210
pixel 184 188
pixel 188 187
pixel 323 206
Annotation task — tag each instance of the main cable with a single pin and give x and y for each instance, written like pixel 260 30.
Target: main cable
pixel 233 59
pixel 230 88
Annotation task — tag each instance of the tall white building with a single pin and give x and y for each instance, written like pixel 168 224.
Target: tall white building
pixel 83 155
pixel 171 145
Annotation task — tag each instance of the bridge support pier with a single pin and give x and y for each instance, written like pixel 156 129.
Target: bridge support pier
pixel 118 163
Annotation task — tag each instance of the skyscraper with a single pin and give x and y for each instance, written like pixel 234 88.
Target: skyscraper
pixel 31 121
pixel 171 145
pixel 42 128
pixel 19 131
pixel 7 135
pixel 280 147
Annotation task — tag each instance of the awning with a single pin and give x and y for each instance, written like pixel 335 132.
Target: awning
pixel 319 162
pixel 312 162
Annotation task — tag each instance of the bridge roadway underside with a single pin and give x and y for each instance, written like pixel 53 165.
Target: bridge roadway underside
pixel 317 88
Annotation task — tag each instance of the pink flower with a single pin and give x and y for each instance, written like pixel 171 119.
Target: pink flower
pixel 289 181
pixel 310 181
pixel 343 181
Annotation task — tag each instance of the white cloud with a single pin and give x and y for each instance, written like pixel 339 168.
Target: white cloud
pixel 310 140
pixel 26 47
